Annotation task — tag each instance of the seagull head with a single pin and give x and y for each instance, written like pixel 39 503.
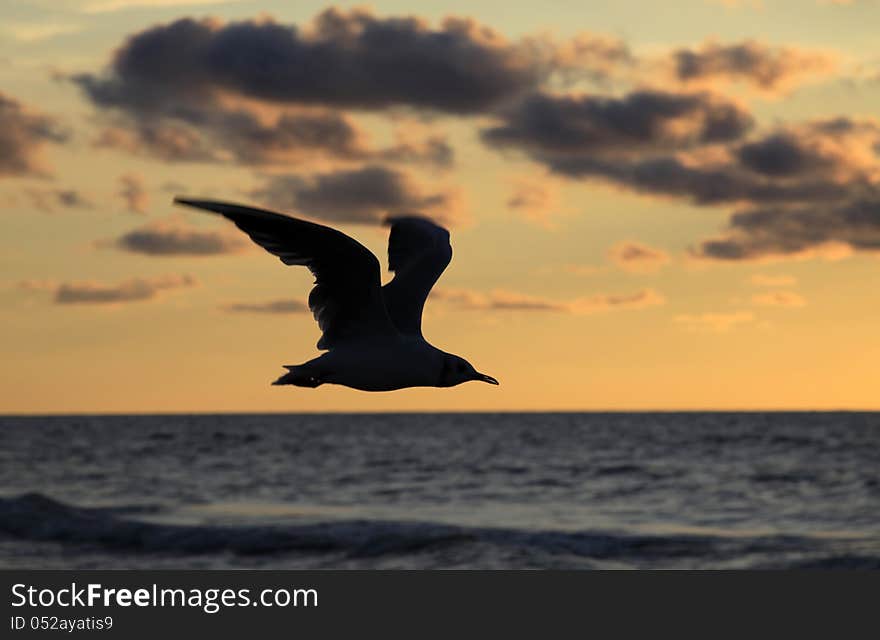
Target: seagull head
pixel 457 370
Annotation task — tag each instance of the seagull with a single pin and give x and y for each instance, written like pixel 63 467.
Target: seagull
pixel 371 334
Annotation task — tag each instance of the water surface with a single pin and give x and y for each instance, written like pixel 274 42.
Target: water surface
pixel 637 490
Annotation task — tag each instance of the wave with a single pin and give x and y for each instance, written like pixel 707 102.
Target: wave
pixel 39 518
pixel 33 516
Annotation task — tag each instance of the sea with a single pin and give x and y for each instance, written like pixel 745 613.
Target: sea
pixel 441 491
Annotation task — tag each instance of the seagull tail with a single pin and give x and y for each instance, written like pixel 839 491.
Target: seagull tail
pixel 299 376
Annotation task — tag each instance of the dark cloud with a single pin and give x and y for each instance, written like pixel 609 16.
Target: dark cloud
pixel 824 161
pixel 188 90
pixel 343 59
pixel 766 67
pixel 281 307
pixel 829 172
pixel 704 184
pixel 781 154
pixel 220 134
pixel 797 188
pixel 22 134
pixel 365 195
pixel 163 140
pixel 134 290
pixel 255 142
pixel 657 143
pixel 792 232
pixel 173 239
pixel 569 126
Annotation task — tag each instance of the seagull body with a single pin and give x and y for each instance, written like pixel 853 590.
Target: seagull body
pixel 371 334
pixel 374 365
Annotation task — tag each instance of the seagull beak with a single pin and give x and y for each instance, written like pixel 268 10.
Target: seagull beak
pixel 482 377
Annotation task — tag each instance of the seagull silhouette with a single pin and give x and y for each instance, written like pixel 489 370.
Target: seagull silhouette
pixel 372 334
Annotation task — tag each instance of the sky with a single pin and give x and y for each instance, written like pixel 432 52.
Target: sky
pixel 652 205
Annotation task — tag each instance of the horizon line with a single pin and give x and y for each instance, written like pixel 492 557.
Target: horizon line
pixel 62 414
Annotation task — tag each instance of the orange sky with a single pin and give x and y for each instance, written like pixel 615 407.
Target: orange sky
pixel 650 208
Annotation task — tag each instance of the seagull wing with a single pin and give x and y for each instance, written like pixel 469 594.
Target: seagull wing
pixel 347 298
pixel 418 253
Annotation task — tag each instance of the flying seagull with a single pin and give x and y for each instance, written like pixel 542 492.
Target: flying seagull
pixel 372 334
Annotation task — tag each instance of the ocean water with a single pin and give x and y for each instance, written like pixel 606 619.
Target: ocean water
pixel 420 491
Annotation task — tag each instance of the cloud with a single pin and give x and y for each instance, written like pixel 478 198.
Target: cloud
pixel 591 56
pixel 133 290
pixel 693 147
pixel 501 300
pixel 23 133
pixel 800 232
pixel 767 68
pixel 715 322
pixel 605 302
pixel 350 59
pixel 434 151
pixel 134 193
pixel 52 199
pixel 566 127
pixel 365 195
pixel 779 299
pixel 842 149
pixel 281 307
pixel 797 190
pixel 701 184
pixel 637 257
pixel 824 160
pixel 245 91
pixel 690 145
pixel 216 133
pixel 780 155
pixel 328 131
pixel 165 141
pixel 536 200
pixel 174 239
pixel 259 91
pixel 762 280
pixel 496 300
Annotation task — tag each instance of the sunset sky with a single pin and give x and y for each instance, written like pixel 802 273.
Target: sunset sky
pixel 652 205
